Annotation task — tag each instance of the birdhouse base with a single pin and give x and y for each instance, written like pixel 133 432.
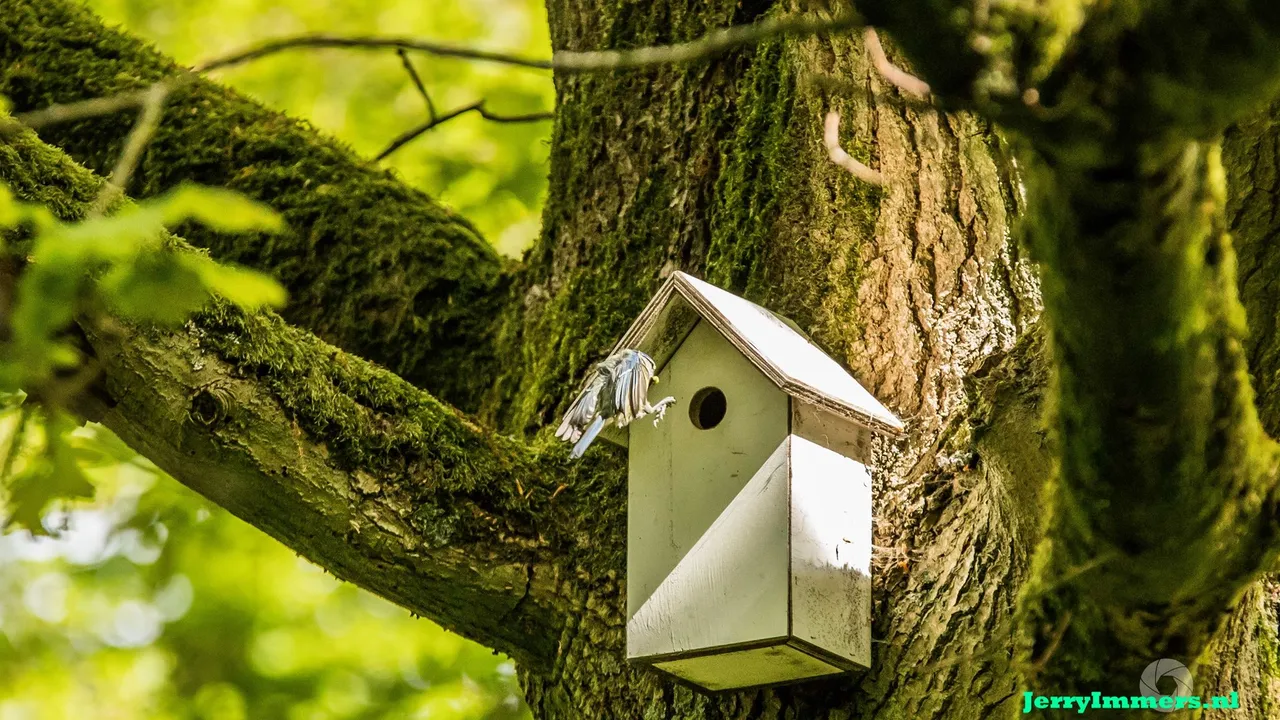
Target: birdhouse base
pixel 719 669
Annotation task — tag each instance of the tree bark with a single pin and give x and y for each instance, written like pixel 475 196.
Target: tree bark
pixel 716 168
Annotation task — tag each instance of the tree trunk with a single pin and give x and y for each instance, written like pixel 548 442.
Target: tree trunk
pixel 716 168
pixel 719 170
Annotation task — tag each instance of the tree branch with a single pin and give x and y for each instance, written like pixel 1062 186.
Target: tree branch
pixel 85 109
pixel 136 142
pixel 417 82
pixel 347 464
pixel 434 121
pixel 1162 460
pixel 439 286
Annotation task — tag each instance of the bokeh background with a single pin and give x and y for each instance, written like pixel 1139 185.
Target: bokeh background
pixel 153 603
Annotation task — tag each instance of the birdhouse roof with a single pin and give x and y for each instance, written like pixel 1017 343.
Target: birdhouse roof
pixel 772 343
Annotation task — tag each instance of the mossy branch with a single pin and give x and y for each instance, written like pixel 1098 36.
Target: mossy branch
pixel 346 463
pixel 371 265
pixel 1166 481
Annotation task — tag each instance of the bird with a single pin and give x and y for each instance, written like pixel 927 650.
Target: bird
pixel 618 393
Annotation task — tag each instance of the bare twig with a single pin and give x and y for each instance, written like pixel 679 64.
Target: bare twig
pixel 417 82
pixel 364 42
pixel 904 80
pixel 521 118
pixel 831 137
pixel 1055 640
pixel 709 45
pixel 143 130
pixel 478 106
pixel 410 135
pixel 713 43
pixel 95 107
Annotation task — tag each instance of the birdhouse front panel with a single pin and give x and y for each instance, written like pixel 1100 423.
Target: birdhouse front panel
pixel 729 589
pixel 685 471
pixel 778 589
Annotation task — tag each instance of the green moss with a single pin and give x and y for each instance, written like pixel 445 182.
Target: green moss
pixel 1162 463
pixel 641 150
pixel 371 265
pixel 464 483
pixel 763 243
pixel 692 168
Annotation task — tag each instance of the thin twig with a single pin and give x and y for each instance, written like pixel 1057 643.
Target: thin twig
pixel 709 45
pixel 1055 640
pixel 417 82
pixel 713 43
pixel 478 106
pixel 143 130
pixel 410 135
pixel 365 42
pixel 522 118
pixel 95 107
pixel 904 80
pixel 831 137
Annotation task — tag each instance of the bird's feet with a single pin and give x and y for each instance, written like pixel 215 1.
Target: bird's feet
pixel 661 409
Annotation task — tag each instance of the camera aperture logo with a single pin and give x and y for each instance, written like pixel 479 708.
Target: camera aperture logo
pixel 1171 673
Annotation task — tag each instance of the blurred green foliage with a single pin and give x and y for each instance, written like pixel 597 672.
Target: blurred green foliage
pixel 153 603
pixel 121 262
pixel 149 602
pixel 494 174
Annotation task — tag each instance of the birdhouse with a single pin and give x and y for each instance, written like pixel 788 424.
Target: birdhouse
pixel 749 505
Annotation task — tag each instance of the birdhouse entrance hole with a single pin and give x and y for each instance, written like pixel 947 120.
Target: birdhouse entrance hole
pixel 707 408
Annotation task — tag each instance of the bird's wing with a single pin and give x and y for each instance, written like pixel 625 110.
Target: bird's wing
pixel 583 409
pixel 585 441
pixel 630 382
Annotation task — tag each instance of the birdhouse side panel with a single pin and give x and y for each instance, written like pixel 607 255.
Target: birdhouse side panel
pixel 685 471
pixel 830 551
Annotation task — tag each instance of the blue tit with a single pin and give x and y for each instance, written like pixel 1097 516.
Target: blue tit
pixel 617 393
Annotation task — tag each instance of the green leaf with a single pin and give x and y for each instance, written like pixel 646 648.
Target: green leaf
pixel 247 288
pixel 158 288
pixel 10 210
pixel 217 208
pixel 54 475
pixel 102 239
pixel 96 446
pixel 47 299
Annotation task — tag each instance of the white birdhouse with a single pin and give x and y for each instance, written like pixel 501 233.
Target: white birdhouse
pixel 749 506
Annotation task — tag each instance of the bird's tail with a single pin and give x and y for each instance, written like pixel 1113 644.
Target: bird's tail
pixel 585 441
